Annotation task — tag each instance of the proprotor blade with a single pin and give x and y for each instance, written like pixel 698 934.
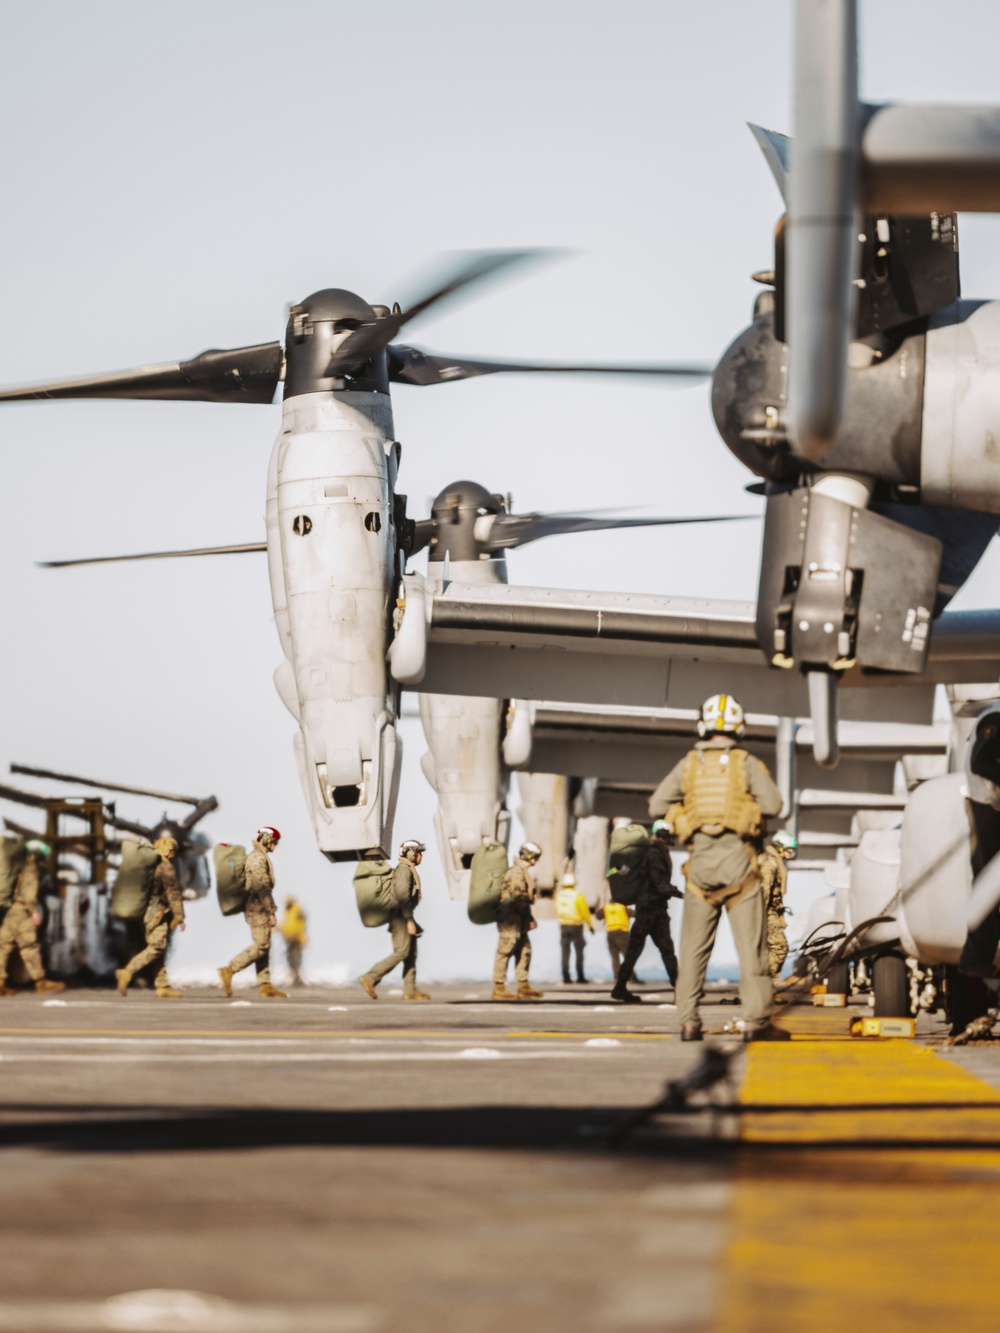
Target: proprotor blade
pixel 242 375
pixel 822 223
pixel 372 338
pixel 509 530
pixel 410 365
pixel 155 555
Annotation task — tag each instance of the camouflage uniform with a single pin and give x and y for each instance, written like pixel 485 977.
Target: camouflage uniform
pixel 165 902
pixel 774 880
pixel 514 920
pixel 19 930
pixel 407 893
pixel 258 911
pixel 651 919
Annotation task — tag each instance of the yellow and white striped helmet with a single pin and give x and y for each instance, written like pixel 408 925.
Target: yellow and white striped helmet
pixel 721 715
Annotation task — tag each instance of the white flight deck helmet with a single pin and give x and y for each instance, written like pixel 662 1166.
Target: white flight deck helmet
pixel 721 716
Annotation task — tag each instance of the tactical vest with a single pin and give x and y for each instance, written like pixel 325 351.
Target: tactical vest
pixel 716 796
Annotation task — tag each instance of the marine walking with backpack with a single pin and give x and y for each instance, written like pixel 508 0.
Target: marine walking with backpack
pixel 514 920
pixel 20 885
pixel 388 896
pixel 716 799
pixel 255 886
pixel 651 891
pixel 156 884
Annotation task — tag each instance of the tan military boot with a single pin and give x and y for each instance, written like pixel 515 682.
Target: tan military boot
pixel 367 986
pixel 417 995
pixel 48 987
pixel 269 992
pixel 500 992
pixel 528 992
pixel 6 993
pixel 122 979
pixel 168 993
pixel 226 977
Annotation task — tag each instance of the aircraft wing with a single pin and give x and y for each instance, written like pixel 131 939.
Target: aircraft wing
pixel 643 651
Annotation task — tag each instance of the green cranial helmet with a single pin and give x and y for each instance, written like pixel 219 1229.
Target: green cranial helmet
pixel 788 842
pixel 38 848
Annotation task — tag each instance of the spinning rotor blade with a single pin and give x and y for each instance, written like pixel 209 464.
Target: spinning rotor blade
pixel 243 375
pixel 369 339
pixel 21 797
pixel 153 555
pixel 504 531
pixel 409 365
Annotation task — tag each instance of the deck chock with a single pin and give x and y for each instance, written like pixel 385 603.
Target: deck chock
pixel 884 1027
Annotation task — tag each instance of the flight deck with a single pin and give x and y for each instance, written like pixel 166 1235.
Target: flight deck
pixel 331 1163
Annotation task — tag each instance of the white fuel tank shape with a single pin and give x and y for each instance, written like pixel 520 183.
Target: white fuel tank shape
pixel 331 551
pixel 960 450
pixel 463 761
pixel 935 871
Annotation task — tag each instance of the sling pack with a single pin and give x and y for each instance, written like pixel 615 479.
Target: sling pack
pixel 717 796
pixel 230 878
pixel 12 858
pixel 629 846
pixel 373 891
pixel 133 886
pixel 489 865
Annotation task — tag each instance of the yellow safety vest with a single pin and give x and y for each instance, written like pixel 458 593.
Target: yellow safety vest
pixel 615 916
pixel 571 907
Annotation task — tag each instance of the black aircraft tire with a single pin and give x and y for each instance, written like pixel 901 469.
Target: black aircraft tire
pixel 891 986
pixel 838 979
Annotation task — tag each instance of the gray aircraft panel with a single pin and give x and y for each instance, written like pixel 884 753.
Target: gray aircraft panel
pixel 655 652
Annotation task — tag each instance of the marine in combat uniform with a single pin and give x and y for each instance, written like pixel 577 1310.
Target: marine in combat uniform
pixel 261 915
pixel 164 914
pixel 652 920
pixel 774 881
pixel 293 931
pixel 514 920
pixel 20 926
pixel 716 798
pixel 406 894
pixel 573 915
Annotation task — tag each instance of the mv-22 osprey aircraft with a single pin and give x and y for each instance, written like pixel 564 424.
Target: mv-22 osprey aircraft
pixel 337 530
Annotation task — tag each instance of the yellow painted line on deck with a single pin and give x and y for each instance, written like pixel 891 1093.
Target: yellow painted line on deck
pixel 893 1238
pixel 895 1074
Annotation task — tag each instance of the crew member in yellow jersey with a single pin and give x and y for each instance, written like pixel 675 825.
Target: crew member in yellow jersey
pixel 616 923
pixel 573 914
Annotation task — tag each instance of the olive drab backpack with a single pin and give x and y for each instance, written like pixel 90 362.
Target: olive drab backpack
pixel 230 861
pixel 629 846
pixel 133 886
pixel 373 891
pixel 489 865
pixel 12 858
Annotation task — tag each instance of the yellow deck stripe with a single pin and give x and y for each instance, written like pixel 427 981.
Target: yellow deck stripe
pixel 896 1074
pixel 884 1238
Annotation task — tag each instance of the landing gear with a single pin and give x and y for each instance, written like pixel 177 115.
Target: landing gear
pixel 838 980
pixel 891 986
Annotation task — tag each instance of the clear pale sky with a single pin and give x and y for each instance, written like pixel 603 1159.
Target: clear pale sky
pixel 176 174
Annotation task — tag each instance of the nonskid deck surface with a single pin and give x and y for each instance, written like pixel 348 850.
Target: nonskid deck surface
pixel 329 1162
